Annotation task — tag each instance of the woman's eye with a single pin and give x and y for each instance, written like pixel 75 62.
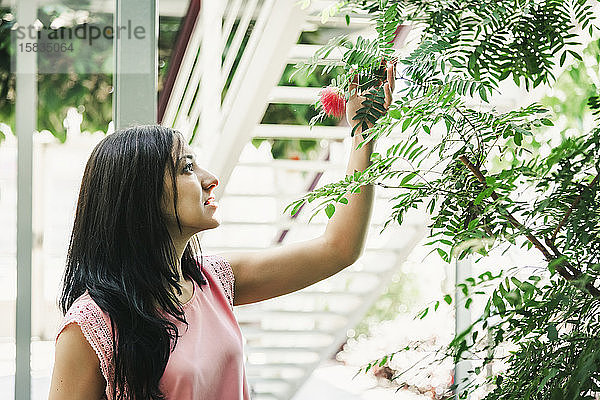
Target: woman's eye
pixel 188 167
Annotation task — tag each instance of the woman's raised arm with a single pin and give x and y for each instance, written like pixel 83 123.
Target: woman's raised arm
pixel 264 274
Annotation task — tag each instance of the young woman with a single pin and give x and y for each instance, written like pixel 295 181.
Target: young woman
pixel 145 317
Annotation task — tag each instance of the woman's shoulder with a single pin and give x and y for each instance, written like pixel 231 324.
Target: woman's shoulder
pixel 85 311
pixel 219 267
pixel 216 264
pixel 96 328
pixel 94 322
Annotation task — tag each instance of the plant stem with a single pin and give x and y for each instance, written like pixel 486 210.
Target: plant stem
pixel 511 218
pixel 568 213
pixel 562 264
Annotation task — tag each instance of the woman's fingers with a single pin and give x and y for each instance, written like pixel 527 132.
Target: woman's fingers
pixel 389 86
pixel 388 95
pixel 353 85
pixel 391 76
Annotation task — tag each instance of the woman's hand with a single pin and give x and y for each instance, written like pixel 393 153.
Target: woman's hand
pixel 354 103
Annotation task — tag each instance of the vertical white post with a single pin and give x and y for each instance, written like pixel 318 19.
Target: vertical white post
pixel 276 30
pixel 463 320
pixel 135 74
pixel 210 56
pixel 25 125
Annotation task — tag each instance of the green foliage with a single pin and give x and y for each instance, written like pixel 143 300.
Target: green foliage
pixel 575 92
pixel 90 93
pixel 546 203
pixel 401 294
pixel 365 65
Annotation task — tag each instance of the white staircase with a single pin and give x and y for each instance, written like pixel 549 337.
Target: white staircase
pixel 286 337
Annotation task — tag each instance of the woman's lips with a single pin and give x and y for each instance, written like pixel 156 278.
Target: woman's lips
pixel 211 203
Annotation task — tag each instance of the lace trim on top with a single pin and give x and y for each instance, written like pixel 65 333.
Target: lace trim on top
pixel 88 316
pixel 224 272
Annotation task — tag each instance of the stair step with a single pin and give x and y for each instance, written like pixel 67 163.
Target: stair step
pixel 295 223
pixel 301 132
pixel 356 20
pixel 340 132
pixel 294 95
pixel 257 331
pixel 287 224
pixel 257 379
pixel 316 292
pixel 265 396
pixel 291 376
pixel 381 194
pixel 302 52
pixel 244 314
pixel 358 274
pixel 228 248
pixel 287 349
pixel 279 341
pixel 303 293
pixel 294 165
pixel 321 320
pixel 288 373
pixel 299 365
pixel 280 390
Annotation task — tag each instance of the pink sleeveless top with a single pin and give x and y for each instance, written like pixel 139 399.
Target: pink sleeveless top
pixel 207 362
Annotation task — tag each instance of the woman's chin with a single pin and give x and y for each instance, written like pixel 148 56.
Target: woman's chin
pixel 214 223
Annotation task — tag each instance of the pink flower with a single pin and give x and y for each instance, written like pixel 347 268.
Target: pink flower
pixel 333 101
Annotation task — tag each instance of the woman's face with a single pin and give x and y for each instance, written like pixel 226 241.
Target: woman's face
pixel 194 186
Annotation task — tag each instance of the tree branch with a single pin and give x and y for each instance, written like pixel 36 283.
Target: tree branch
pixel 475 130
pixel 568 213
pixel 562 264
pixel 511 218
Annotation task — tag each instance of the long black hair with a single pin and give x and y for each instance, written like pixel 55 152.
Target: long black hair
pixel 121 252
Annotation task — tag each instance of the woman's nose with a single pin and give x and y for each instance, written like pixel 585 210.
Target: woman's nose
pixel 211 181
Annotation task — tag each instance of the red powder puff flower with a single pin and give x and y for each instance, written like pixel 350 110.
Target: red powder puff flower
pixel 333 101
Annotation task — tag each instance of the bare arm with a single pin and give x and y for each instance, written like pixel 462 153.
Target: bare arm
pixel 349 225
pixel 264 274
pixel 76 374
